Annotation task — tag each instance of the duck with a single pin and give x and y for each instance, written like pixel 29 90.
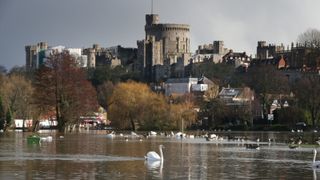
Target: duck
pixel 252 146
pixel 293 146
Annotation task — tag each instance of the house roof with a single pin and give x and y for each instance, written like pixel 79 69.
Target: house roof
pixel 236 95
pixel 230 92
pixel 235 54
pixel 182 80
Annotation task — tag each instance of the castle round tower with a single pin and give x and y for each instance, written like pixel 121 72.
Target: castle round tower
pixel 174 37
pixel 165 45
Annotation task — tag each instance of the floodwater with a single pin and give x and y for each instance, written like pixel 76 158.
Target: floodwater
pixel 92 155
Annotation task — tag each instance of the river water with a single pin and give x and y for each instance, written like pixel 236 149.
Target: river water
pixel 92 155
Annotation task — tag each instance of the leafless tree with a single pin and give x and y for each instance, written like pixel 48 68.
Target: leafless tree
pixel 311 38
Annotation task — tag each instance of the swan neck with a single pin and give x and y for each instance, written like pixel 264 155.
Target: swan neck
pixel 314 155
pixel 161 153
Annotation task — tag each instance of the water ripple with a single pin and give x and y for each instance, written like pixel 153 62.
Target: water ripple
pixel 66 157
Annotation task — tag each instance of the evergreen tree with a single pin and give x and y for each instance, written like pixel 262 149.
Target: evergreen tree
pixel 8 117
pixel 2 114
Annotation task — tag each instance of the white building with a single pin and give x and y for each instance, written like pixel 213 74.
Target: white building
pixel 181 86
pixel 74 52
pixel 19 123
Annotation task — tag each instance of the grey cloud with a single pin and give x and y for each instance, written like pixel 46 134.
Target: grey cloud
pixel 80 23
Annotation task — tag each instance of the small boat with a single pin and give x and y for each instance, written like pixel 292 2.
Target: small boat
pixel 33 139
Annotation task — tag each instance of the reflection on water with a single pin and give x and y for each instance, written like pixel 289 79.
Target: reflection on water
pixel 154 168
pixel 92 155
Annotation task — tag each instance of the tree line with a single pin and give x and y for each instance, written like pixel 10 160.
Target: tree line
pixel 61 90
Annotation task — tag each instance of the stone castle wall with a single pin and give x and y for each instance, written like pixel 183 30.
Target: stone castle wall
pixel 174 37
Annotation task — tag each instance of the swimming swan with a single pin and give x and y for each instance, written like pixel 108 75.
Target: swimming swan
pixel 315 164
pixel 153 156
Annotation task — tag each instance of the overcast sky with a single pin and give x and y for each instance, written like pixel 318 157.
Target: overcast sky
pixel 80 23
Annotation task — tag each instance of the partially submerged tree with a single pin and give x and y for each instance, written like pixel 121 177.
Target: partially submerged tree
pixel 129 105
pixel 2 115
pixel 134 106
pixel 104 92
pixel 307 91
pixel 20 92
pixel 267 80
pixel 213 112
pixel 62 87
pixel 17 97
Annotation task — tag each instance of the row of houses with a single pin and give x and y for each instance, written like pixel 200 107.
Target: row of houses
pixel 233 97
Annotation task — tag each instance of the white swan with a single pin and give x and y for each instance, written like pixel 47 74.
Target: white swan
pixel 152 133
pixel 110 135
pixel 180 135
pixel 46 139
pixel 315 164
pixel 153 156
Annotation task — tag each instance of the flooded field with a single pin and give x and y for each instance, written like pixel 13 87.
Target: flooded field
pixel 95 155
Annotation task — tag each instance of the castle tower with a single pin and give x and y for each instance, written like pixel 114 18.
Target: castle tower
pixel 165 44
pixel 42 45
pixel 91 57
pixel 31 57
pixel 152 19
pixel 96 46
pixel 262 43
pixel 218 47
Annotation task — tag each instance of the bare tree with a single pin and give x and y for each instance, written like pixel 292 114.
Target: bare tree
pixel 104 93
pixel 17 93
pixel 267 80
pixel 311 38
